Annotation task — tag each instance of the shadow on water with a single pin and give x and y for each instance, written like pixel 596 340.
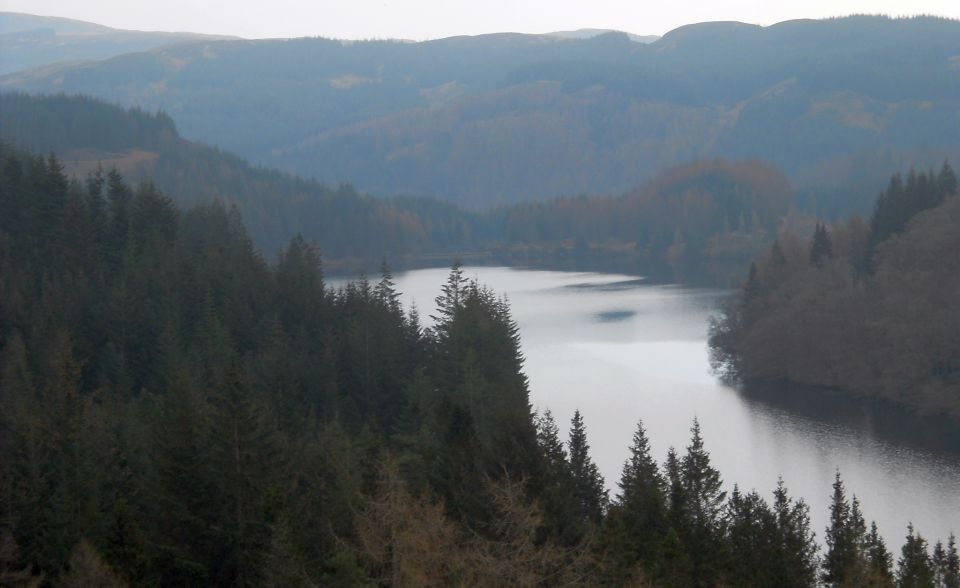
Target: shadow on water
pixel 884 421
pixel 613 316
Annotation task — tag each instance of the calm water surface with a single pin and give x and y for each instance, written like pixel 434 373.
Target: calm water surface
pixel 621 350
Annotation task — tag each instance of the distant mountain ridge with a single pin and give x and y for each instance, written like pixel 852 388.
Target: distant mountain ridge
pixel 28 40
pixel 838 104
pixel 591 33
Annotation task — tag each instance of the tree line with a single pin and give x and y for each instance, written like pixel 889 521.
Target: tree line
pixel 866 307
pixel 177 411
pixel 698 222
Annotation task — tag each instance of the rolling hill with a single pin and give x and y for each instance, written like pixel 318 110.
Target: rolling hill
pixel 837 104
pixel 697 223
pixel 29 41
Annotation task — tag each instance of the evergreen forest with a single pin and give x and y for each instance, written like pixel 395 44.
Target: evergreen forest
pixel 177 410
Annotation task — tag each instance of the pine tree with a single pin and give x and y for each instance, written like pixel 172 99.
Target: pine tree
pixel 386 289
pixel 796 560
pixel 701 483
pixel 557 487
pixel 821 249
pixel 246 463
pixel 641 503
pixel 677 502
pixel 840 548
pixel 182 497
pixel 750 537
pixel 950 568
pixel 946 181
pixel 588 483
pixel 704 501
pixel 914 568
pixel 879 560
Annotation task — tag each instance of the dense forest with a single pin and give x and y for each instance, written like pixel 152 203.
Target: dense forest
pixel 693 223
pixel 176 411
pixel 696 223
pixel 867 307
pixel 349 227
pixel 502 118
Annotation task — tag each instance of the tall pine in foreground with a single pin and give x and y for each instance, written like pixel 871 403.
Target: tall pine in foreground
pixel 701 524
pixel 639 512
pixel 588 483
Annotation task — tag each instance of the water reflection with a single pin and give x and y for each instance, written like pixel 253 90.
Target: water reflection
pixel 619 350
pixel 611 316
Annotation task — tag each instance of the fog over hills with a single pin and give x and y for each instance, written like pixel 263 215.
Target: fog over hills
pixel 837 104
pixel 28 40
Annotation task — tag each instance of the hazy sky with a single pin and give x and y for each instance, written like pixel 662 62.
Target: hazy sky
pixel 423 19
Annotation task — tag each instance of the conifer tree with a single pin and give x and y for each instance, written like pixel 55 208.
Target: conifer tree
pixel 704 501
pixel 821 249
pixel 796 560
pixel 879 560
pixel 948 566
pixel 750 532
pixel 914 568
pixel 557 487
pixel 588 483
pixel 841 557
pixel 641 502
pixel 701 482
pixel 675 490
pixel 246 461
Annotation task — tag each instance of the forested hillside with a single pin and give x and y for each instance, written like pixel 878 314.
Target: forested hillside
pixel 352 229
pixel 34 41
pixel 693 223
pixel 697 223
pixel 867 307
pixel 178 412
pixel 837 104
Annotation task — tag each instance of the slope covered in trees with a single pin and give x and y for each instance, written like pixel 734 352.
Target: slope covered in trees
pixel 501 118
pixel 350 227
pixel 864 307
pixel 176 411
pixel 698 222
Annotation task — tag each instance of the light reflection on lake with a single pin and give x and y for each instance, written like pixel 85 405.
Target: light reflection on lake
pixel 619 349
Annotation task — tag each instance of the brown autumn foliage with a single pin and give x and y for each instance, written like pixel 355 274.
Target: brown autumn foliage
pixel 891 332
pixel 408 540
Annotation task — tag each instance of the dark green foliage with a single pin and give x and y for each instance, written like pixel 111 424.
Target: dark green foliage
pixel 640 508
pixel 841 559
pixel 946 564
pixel 915 569
pixel 698 221
pixel 562 511
pixel 176 411
pixel 854 556
pixel 795 560
pixel 701 524
pixel 902 201
pixel 588 484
